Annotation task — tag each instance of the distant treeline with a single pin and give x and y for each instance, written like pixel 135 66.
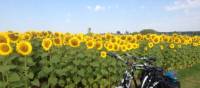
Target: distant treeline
pixel 146 31
pixel 183 33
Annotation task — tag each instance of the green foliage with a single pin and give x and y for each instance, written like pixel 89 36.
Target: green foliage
pixel 66 67
pixel 148 31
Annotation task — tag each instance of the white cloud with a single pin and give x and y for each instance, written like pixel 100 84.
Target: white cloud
pixel 89 7
pixel 98 8
pixel 183 5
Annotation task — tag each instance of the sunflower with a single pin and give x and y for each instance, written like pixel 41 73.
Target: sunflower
pixel 150 44
pixel 108 35
pixel 103 54
pixel 195 44
pixel 5 49
pixel 57 41
pixel 177 40
pixel 110 46
pixel 46 44
pixel 116 47
pixel 26 36
pixel 129 46
pixel 66 39
pixel 4 38
pixel 171 46
pixel 74 42
pixel 123 48
pixel 90 44
pixel 129 38
pixel 156 39
pixel 24 48
pixel 135 45
pixel 114 40
pixel 57 34
pixel 123 37
pixel 99 45
pixel 14 37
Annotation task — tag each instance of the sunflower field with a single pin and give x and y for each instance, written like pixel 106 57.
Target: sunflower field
pixel 66 60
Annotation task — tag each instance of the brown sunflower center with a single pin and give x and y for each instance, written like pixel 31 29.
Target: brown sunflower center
pixel 57 41
pixel 90 43
pixel 47 43
pixel 24 48
pixel 3 39
pixel 74 42
pixel 13 37
pixel 98 45
pixel 5 48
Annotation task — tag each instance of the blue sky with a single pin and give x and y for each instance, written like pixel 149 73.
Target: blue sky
pixel 101 15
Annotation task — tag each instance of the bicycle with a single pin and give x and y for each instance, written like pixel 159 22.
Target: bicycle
pixel 151 77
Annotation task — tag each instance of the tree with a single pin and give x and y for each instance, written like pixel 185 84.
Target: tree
pixel 118 32
pixel 89 30
pixel 146 31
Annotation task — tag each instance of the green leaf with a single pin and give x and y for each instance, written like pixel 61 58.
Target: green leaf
pixel 42 74
pixel 30 61
pixel 52 80
pixel 76 79
pixel 30 75
pixel 4 68
pixel 13 77
pixel 47 70
pixel 2 84
pixel 55 59
pixel 81 73
pixel 35 82
pixel 61 83
pixel 60 72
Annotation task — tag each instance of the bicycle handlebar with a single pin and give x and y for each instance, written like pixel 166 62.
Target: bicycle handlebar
pixel 147 59
pixel 139 66
pixel 115 56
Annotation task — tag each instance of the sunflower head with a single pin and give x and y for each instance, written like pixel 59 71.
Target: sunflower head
pixel 4 38
pixel 66 39
pixel 135 45
pixel 150 45
pixel 74 42
pixel 90 44
pixel 116 47
pixel 46 44
pixel 103 54
pixel 57 41
pixel 24 48
pixel 109 46
pixel 156 39
pixel 129 46
pixel 5 49
pixel 171 46
pixel 14 37
pixel 99 45
pixel 123 48
pixel 26 36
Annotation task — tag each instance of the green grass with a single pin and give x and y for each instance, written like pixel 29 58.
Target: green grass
pixel 190 77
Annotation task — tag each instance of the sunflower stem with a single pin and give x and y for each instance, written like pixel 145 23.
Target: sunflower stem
pixel 25 71
pixel 6 79
pixel 6 75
